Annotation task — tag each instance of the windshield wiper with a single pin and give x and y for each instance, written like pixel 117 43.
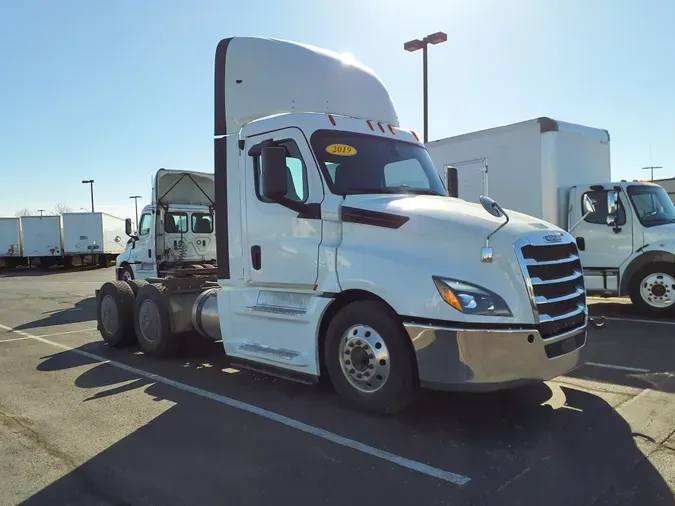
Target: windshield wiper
pixel 393 190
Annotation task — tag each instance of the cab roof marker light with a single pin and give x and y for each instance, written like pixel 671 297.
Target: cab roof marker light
pixel 415 135
pixel 370 125
pixel 391 129
pixel 381 127
pixel 332 119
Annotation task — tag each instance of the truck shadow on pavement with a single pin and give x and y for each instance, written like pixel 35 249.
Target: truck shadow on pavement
pixel 82 311
pixel 538 445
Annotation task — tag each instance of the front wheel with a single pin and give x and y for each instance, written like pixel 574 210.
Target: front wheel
pixel 127 273
pixel 369 358
pixel 653 290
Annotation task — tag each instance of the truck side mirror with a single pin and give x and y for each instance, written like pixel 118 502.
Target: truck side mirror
pixel 127 227
pixel 274 177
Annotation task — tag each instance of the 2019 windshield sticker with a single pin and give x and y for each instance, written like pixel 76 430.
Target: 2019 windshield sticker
pixel 341 150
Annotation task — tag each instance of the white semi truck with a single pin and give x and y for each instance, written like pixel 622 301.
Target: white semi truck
pixel 546 168
pixel 340 254
pixel 178 226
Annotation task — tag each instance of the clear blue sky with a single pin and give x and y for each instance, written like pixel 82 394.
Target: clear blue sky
pixel 114 90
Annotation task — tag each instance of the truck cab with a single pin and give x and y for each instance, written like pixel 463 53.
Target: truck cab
pixel 340 254
pixel 627 243
pixel 176 233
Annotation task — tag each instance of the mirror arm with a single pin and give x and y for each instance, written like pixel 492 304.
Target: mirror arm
pixel 577 223
pixel 487 239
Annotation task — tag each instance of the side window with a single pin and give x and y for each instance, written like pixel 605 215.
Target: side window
pixel 599 217
pixel 405 173
pixel 145 225
pixel 296 173
pixel 175 223
pixel 202 223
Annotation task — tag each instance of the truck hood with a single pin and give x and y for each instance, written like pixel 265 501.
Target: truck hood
pixel 183 187
pixel 438 216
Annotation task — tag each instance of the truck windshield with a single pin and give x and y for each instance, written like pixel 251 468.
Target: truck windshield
pixel 652 205
pixel 356 163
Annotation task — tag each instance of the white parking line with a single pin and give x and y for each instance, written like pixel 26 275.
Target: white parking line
pixel 618 367
pixel 67 332
pixel 413 465
pixel 14 339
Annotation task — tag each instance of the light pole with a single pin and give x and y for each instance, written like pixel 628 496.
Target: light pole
pixel 90 182
pixel 414 45
pixel 651 169
pixel 40 211
pixel 136 197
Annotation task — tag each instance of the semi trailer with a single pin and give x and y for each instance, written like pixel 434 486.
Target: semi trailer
pixel 43 241
pixel 546 168
pixel 93 237
pixel 339 253
pixel 11 250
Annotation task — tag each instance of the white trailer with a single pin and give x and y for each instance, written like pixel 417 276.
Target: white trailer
pixel 94 235
pixel 10 242
pixel 43 240
pixel 550 169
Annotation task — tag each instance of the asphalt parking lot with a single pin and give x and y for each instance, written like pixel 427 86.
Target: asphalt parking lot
pixel 83 424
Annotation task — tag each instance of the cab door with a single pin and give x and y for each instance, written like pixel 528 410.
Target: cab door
pixel 141 255
pixel 282 244
pixel 602 248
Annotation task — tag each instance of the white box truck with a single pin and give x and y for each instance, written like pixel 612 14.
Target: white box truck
pixel 43 240
pixel 331 263
pixel 11 252
pixel 94 236
pixel 547 168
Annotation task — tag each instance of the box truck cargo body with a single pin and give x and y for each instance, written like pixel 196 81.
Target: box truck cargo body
pixel 528 166
pixel 93 234
pixel 560 172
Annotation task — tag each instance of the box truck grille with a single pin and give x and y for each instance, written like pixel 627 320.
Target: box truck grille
pixel 559 296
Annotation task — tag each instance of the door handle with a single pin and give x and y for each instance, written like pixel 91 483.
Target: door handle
pixel 581 243
pixel 149 253
pixel 256 257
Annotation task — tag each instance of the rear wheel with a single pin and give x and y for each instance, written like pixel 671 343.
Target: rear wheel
pixel 116 314
pixel 136 285
pixel 152 321
pixel 369 359
pixel 653 290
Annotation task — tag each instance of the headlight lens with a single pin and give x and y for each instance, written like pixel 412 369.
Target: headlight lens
pixel 471 299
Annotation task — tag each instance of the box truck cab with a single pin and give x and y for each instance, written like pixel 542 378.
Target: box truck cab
pixel 176 234
pixel 340 254
pixel 548 168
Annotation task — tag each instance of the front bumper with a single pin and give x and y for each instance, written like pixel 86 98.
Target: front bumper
pixel 491 359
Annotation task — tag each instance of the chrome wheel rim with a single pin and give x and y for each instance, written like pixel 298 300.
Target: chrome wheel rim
pixel 658 290
pixel 126 275
pixel 364 358
pixel 109 314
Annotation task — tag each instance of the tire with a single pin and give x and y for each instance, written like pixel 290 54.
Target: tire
pixel 373 330
pixel 127 274
pixel 652 290
pixel 116 314
pixel 136 285
pixel 152 322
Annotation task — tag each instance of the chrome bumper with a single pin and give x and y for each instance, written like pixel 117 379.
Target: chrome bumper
pixel 482 359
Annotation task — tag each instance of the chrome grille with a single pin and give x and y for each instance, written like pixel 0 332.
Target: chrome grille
pixel 554 275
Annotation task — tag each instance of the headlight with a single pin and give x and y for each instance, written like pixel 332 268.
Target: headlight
pixel 471 299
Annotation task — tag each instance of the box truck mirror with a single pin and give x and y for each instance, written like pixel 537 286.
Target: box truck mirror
pixel 589 207
pixel 127 227
pixel 451 179
pixel 274 177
